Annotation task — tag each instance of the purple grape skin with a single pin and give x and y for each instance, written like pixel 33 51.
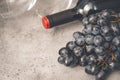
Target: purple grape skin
pixel 101 75
pixel 92 69
pixel 90 48
pixel 80 41
pixel 96 30
pixel 93 19
pixel 78 51
pixel 71 45
pixel 95 49
pixel 98 40
pixel 85 21
pixel 64 52
pixel 115 28
pixel 83 61
pixel 116 41
pixel 61 60
pixel 88 28
pixel 77 35
pixel 92 59
pixel 89 39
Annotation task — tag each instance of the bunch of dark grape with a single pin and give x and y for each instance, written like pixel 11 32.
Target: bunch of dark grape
pixel 97 47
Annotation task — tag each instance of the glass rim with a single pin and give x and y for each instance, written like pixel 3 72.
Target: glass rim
pixel 69 4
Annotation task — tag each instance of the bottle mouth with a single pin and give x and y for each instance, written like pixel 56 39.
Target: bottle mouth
pixel 45 22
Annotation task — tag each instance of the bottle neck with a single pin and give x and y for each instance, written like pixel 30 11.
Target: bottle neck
pixel 98 5
pixel 89 6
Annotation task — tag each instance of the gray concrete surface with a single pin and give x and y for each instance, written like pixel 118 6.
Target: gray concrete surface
pixel 29 52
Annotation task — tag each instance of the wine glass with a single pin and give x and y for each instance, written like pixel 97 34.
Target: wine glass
pixel 12 8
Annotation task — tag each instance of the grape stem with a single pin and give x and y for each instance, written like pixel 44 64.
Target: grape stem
pixel 111 55
pixel 116 18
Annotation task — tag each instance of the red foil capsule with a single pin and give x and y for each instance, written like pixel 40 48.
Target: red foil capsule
pixel 46 22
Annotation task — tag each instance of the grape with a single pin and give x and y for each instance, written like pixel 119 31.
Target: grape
pixel 96 30
pixel 105 30
pixel 83 61
pixel 71 45
pixel 116 41
pixel 88 28
pixel 99 50
pixel 106 14
pixel 114 48
pixel 106 45
pixel 117 56
pixel 61 60
pixel 118 48
pixel 108 37
pixel 68 61
pixel 98 40
pixel 92 69
pixel 102 22
pixel 101 57
pixel 78 51
pixel 115 29
pixel 80 41
pixel 84 31
pixel 112 65
pixel 97 47
pixel 85 21
pixel 89 48
pixel 101 75
pixel 77 35
pixel 64 52
pixel 74 63
pixel 92 59
pixel 93 19
pixel 89 39
pixel 106 67
pixel 117 67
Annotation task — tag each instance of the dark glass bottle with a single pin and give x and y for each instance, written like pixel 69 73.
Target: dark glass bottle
pixel 83 8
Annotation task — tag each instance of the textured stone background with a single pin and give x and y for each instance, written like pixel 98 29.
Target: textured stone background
pixel 29 52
